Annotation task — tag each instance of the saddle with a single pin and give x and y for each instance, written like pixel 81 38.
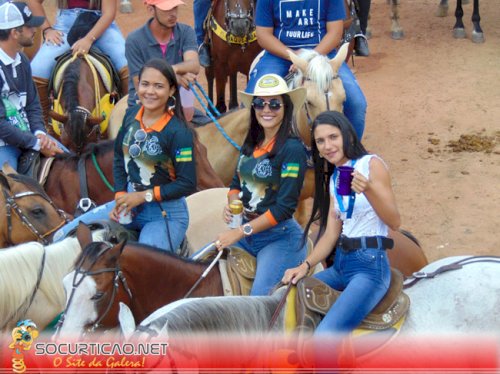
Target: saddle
pixel 313 299
pixel 237 269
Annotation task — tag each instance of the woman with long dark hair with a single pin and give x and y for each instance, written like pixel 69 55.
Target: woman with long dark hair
pixel 268 180
pixel 357 226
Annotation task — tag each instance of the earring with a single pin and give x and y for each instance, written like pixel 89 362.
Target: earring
pixel 320 155
pixel 171 105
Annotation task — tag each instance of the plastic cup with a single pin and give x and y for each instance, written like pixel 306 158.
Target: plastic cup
pixel 344 180
pixel 125 217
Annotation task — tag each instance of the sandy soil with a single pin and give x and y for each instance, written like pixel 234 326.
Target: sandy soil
pixel 424 92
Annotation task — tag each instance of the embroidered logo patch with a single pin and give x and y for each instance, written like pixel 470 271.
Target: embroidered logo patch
pixel 263 169
pixel 152 146
pixel 290 170
pixel 184 154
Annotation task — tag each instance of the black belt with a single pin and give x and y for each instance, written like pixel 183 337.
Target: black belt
pixel 352 244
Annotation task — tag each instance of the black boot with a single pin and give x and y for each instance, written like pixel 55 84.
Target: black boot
pixel 361 46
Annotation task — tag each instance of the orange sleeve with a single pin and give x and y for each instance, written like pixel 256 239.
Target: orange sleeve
pixel 233 192
pixel 156 193
pixel 119 193
pixel 271 218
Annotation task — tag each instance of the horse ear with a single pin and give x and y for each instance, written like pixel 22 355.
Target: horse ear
pixel 84 235
pixel 7 169
pixel 340 57
pixel 4 180
pixel 300 63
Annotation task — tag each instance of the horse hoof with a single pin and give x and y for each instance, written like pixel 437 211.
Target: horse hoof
pixel 126 7
pixel 397 35
pixel 459 33
pixel 477 37
pixel 442 11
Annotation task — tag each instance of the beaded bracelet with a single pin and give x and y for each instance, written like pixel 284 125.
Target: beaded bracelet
pixel 44 30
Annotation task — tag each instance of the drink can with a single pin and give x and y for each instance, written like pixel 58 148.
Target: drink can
pixel 236 207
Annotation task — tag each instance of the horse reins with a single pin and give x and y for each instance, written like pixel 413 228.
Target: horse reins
pixel 118 277
pixel 419 275
pixel 11 205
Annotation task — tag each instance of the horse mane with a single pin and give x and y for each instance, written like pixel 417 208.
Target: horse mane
pixel 319 71
pixel 221 314
pixel 71 78
pixel 29 182
pixel 19 268
pixel 94 250
pixel 98 149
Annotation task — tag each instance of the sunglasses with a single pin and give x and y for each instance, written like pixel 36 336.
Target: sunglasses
pixel 135 149
pixel 259 104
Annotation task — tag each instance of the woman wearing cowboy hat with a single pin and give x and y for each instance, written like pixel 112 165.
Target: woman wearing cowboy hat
pixel 268 179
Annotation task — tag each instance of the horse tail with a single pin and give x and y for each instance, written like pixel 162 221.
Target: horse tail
pixel 410 236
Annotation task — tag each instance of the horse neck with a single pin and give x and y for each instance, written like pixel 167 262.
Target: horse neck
pixel 156 279
pixel 235 124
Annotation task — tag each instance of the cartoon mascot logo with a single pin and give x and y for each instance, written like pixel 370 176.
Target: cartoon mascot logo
pixel 23 336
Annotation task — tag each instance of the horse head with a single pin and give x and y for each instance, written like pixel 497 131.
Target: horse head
pixel 94 288
pixel 27 212
pixel 239 17
pixel 77 126
pixel 325 91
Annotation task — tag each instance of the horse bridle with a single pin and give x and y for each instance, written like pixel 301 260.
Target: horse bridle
pixel 326 93
pixel 239 14
pixel 11 205
pixel 118 277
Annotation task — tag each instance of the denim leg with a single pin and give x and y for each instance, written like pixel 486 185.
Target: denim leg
pixel 100 213
pixel 276 250
pixel 367 275
pixel 268 64
pixel 112 43
pixel 200 10
pixel 355 103
pixel 9 154
pixel 45 59
pixel 154 228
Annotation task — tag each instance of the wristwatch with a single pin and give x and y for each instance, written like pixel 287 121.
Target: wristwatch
pixel 148 196
pixel 247 229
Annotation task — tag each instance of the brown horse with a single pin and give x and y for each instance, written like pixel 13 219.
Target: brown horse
pixel 83 101
pixel 233 47
pixel 69 174
pixel 26 212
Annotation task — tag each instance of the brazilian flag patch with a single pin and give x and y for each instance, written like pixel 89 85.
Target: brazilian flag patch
pixel 184 155
pixel 290 170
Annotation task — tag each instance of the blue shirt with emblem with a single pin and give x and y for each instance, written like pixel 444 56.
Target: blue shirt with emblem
pixel 166 158
pixel 271 185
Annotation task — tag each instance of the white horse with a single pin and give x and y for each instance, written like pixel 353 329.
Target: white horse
pixel 459 301
pixel 31 280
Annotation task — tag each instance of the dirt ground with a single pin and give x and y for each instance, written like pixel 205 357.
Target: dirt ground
pixel 424 93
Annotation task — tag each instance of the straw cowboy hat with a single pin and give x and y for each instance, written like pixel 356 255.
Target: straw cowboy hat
pixel 274 85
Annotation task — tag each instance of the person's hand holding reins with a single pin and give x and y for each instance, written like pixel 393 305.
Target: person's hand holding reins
pixel 185 79
pixel 295 274
pixel 53 36
pixel 48 147
pixel 82 45
pixel 228 238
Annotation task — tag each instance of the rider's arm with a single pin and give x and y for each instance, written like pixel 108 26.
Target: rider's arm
pixel 270 43
pixel 332 38
pixel 190 64
pixel 108 10
pixel 378 190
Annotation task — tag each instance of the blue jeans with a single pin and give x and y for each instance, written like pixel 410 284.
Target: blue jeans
pixel 9 154
pixel 276 249
pixel 364 276
pixel 200 10
pixel 147 219
pixel 354 105
pixel 111 42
